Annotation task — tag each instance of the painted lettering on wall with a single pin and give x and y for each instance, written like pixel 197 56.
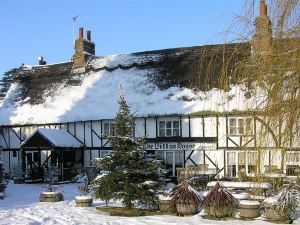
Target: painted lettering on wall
pixel 180 146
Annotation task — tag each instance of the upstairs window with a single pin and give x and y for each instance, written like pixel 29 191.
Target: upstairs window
pixel 240 126
pixel 108 129
pixel 168 128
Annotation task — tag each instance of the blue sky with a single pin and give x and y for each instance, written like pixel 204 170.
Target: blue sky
pixel 35 28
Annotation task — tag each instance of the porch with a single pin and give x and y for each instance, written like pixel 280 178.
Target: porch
pixel 51 147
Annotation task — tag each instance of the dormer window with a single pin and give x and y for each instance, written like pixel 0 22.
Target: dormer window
pixel 168 128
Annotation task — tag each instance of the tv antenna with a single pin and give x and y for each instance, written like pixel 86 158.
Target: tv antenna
pixel 74 21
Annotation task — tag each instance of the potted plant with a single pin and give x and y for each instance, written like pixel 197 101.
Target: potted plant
pixel 220 203
pixel 52 193
pixel 84 200
pixel 186 199
pixel 281 207
pixel 17 174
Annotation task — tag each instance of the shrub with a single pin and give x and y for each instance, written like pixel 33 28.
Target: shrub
pixel 285 203
pixel 51 178
pixel 17 172
pixel 185 194
pixel 84 187
pixel 219 202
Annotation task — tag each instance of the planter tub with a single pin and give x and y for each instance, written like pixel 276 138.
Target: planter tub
pixel 166 205
pixel 51 197
pixel 277 217
pixel 249 209
pixel 83 201
pixel 186 209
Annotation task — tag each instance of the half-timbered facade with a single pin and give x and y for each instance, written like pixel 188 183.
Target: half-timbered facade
pixel 224 145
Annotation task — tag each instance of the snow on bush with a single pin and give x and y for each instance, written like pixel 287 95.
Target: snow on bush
pixel 51 178
pixel 286 202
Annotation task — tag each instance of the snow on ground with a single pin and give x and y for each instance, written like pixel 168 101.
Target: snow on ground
pixel 22 206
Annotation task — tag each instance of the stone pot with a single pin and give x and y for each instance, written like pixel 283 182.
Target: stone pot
pixel 51 197
pixel 166 205
pixel 186 209
pixel 83 201
pixel 276 216
pixel 249 209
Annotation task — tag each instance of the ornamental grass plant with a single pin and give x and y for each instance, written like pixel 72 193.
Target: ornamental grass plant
pixel 220 203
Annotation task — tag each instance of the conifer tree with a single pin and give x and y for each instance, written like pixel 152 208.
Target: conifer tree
pixel 133 177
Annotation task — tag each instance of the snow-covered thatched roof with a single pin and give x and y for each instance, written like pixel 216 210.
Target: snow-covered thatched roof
pixel 171 81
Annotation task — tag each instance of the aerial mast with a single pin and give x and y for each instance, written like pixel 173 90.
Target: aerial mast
pixel 74 21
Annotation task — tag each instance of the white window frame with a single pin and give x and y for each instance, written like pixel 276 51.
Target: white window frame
pixel 292 161
pixel 104 153
pixel 246 162
pixel 166 128
pixel 110 131
pixel 231 165
pixel 240 126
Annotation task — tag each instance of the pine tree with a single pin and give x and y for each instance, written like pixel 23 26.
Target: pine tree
pixel 132 177
pixel 6 81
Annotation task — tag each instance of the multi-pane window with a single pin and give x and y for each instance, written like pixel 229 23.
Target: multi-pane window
pixel 105 153
pixel 167 157
pixel 108 129
pixel 240 126
pixel 292 163
pixel 231 164
pixel 169 128
pixel 241 161
pixel 178 158
pixel 252 162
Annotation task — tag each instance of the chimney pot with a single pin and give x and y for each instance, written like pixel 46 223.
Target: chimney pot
pixel 81 33
pixel 41 61
pixel 88 35
pixel 263 8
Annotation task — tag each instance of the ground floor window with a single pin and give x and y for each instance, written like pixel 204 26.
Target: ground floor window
pixel 170 156
pixel 231 164
pixel 292 163
pixel 172 159
pixel 104 153
pixel 241 162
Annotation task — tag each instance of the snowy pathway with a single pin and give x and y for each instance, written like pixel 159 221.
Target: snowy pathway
pixel 21 206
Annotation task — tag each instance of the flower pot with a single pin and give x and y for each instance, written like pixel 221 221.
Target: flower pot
pixel 83 201
pixel 187 208
pixel 18 180
pixel 51 197
pixel 249 209
pixel 166 205
pixel 276 216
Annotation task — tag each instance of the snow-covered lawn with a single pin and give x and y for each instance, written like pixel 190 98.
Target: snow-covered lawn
pixel 22 206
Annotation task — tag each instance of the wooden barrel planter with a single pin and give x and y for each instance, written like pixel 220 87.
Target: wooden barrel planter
pixel 51 197
pixel 166 205
pixel 249 209
pixel 186 209
pixel 83 201
pixel 276 216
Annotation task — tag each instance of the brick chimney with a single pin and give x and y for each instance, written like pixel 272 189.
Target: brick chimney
pixel 262 39
pixel 84 49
